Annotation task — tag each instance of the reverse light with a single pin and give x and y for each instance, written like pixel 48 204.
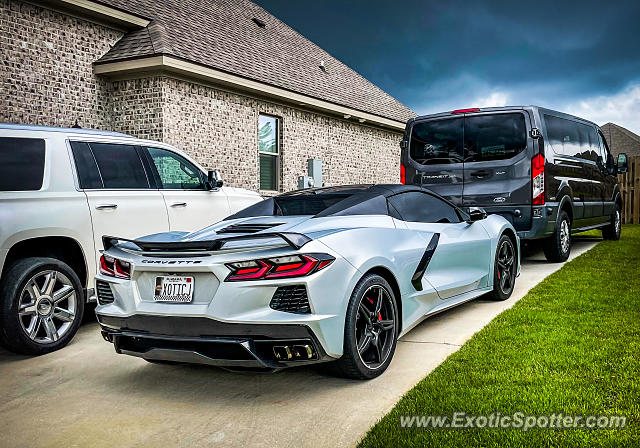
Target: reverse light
pixel 537 179
pixel 464 111
pixel 114 267
pixel 278 267
pixel 403 179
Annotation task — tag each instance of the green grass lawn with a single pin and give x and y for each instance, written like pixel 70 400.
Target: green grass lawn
pixel 571 346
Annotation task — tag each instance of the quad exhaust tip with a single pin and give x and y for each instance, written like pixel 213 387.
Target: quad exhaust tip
pixel 293 352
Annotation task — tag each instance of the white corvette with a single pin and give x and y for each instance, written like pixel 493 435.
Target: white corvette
pixel 331 274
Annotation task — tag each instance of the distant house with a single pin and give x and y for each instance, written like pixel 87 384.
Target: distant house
pixel 621 140
pixel 222 79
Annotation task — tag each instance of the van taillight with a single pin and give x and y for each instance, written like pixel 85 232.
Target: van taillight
pixel 403 179
pixel 537 179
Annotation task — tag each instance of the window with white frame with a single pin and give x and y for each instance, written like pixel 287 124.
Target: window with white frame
pixel 269 152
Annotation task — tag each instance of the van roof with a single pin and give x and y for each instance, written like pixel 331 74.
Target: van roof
pixel 500 109
pixel 30 127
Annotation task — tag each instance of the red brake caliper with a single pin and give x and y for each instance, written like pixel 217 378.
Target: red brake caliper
pixel 380 316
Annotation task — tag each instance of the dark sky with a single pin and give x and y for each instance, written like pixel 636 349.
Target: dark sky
pixel 578 57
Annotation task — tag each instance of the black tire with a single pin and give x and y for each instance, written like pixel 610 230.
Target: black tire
pixel 558 246
pixel 65 309
pixel 359 324
pixel 505 269
pixel 612 231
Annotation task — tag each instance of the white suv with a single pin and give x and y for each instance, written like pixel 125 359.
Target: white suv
pixel 61 190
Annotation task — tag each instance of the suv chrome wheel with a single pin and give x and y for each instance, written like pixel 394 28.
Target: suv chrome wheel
pixel 617 221
pixel 47 306
pixel 375 326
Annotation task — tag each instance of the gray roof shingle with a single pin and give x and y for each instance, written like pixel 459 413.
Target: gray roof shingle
pixel 221 34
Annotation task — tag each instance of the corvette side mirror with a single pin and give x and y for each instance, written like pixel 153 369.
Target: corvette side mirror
pixel 476 214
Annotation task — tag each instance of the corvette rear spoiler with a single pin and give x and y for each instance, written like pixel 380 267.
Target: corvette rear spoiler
pixel 293 240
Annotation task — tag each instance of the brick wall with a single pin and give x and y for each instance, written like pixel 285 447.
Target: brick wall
pixel 220 129
pixel 46 74
pixel 136 107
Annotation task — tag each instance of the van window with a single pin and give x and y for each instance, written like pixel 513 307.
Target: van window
pixel 494 137
pixel 21 164
pixel 119 165
pixel 437 141
pixel 563 135
pixel 415 206
pixel 589 145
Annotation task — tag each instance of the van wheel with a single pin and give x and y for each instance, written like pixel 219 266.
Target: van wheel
pixel 41 306
pixel 558 246
pixel 612 231
pixel 504 270
pixel 371 330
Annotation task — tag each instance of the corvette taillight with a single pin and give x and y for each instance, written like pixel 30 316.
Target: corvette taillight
pixel 278 267
pixel 537 179
pixel 113 267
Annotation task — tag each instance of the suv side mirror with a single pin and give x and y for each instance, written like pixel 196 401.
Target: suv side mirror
pixel 476 214
pixel 214 179
pixel 623 164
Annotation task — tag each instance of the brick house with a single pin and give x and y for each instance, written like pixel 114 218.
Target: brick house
pixel 621 140
pixel 222 79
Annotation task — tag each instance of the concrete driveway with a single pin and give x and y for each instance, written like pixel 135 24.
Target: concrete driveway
pixel 87 395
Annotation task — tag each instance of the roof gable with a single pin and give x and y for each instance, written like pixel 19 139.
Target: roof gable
pixel 222 35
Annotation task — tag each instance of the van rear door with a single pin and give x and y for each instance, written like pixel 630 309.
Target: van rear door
pixel 436 156
pixel 497 166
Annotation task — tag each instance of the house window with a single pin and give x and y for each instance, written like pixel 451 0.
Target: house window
pixel 269 151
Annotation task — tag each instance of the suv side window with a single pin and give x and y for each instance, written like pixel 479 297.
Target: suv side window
pixel 174 171
pixel 494 137
pixel 21 164
pixel 563 135
pixel 119 166
pixel 415 206
pixel 86 167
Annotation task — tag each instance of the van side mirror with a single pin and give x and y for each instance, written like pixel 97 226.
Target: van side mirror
pixel 214 179
pixel 476 214
pixel 623 164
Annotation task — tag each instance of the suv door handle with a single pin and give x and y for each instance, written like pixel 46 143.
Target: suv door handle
pixel 179 204
pixel 106 206
pixel 480 173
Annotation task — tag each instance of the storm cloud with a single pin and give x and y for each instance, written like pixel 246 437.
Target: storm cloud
pixel 579 57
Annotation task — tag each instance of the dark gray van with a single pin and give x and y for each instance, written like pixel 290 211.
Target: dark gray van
pixel 550 174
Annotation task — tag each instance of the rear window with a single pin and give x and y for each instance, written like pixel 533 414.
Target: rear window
pixel 469 139
pixel 305 205
pixel 494 137
pixel 21 164
pixel 437 142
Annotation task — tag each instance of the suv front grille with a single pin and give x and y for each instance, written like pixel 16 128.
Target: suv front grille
pixel 291 299
pixel 104 293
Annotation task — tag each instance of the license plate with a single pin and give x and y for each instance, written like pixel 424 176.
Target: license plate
pixel 174 289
